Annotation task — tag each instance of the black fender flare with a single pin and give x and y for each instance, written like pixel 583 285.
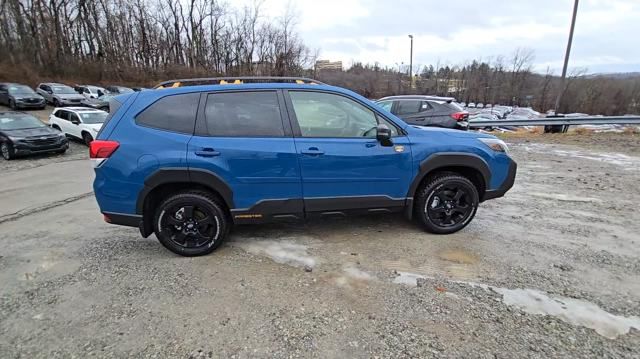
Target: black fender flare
pixel 185 175
pixel 450 159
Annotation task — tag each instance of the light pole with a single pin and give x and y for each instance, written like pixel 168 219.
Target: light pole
pixel 566 57
pixel 411 60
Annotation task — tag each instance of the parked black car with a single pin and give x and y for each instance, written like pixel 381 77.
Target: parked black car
pixel 423 110
pixel 118 89
pixel 18 96
pixel 23 134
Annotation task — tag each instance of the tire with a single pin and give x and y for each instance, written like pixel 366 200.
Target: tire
pixel 7 151
pixel 12 105
pixel 184 209
pixel 87 138
pixel 56 103
pixel 446 203
pixel 56 127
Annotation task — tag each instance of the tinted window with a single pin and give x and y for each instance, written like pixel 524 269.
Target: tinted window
pixel 328 115
pixel 175 113
pixel 61 114
pixel 410 107
pixel 244 114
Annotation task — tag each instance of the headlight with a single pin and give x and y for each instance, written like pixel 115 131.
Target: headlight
pixel 16 139
pixel 495 144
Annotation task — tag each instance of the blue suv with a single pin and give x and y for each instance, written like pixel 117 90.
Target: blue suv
pixel 190 159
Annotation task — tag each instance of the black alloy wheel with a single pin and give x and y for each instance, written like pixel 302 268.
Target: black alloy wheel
pixel 447 203
pixel 191 224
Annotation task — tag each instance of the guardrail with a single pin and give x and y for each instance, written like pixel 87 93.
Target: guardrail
pixel 559 121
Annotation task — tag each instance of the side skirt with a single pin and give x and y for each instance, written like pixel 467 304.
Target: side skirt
pixel 287 210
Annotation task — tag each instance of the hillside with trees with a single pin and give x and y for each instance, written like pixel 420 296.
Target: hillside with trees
pixel 142 42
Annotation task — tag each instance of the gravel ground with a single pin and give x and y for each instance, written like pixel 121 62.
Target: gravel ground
pixel 566 237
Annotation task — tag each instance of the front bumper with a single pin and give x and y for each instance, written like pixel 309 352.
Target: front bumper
pixel 30 104
pixel 24 149
pixel 506 185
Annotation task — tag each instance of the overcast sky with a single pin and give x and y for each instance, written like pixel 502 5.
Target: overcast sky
pixel 455 31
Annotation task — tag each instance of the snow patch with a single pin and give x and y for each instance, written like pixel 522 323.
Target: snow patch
pixel 284 252
pixel 565 197
pixel 407 278
pixel 569 310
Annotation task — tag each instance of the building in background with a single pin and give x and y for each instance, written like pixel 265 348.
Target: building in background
pixel 328 65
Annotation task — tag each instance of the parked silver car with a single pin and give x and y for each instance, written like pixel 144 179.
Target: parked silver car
pixel 59 94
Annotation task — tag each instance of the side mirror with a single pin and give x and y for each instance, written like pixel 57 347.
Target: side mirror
pixel 383 135
pixel 49 92
pixel 75 122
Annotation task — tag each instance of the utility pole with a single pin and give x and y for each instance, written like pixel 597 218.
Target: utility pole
pixel 411 62
pixel 566 57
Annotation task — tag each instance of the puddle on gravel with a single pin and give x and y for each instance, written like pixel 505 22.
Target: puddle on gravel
pixel 565 197
pixel 283 251
pixel 573 311
pixel 458 256
pixel 456 263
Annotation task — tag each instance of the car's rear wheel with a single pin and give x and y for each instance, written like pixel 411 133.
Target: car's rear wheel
pixel 87 138
pixel 446 203
pixel 7 151
pixel 191 223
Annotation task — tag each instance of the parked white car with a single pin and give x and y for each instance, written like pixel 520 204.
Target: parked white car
pixel 89 91
pixel 79 122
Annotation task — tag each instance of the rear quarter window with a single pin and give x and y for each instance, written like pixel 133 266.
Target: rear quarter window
pixel 175 113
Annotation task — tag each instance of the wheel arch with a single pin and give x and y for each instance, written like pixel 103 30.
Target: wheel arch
pixel 470 165
pixel 165 182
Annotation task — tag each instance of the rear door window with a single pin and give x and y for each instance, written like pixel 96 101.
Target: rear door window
pixel 411 107
pixel 243 114
pixel 62 114
pixel 176 113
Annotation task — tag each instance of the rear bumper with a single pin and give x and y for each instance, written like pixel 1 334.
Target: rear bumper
pixel 122 219
pixel 506 185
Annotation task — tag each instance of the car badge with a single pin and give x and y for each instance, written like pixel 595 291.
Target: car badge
pixel 398 149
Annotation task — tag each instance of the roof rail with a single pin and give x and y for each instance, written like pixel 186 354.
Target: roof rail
pixel 235 80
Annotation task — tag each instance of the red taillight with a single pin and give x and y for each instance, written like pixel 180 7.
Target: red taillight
pixel 102 149
pixel 459 116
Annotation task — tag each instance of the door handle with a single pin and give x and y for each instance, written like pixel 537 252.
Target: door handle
pixel 207 152
pixel 312 151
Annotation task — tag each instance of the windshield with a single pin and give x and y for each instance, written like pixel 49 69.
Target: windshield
pixel 20 90
pixel 63 90
pixel 93 118
pixel 19 122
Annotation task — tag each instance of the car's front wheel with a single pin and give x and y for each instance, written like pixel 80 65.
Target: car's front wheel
pixel 191 223
pixel 446 203
pixel 7 151
pixel 87 138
